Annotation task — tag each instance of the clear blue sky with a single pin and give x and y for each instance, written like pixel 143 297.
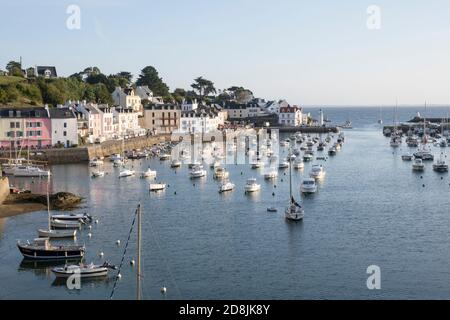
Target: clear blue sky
pixel 310 52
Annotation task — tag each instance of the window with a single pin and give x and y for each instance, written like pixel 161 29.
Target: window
pixel 38 124
pixel 17 124
pixel 65 134
pixel 12 125
pixel 153 121
pixel 38 133
pixel 65 124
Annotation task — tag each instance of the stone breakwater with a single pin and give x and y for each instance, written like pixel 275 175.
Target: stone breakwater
pixel 83 154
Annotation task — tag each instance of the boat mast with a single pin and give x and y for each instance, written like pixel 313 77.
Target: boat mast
pixel 48 203
pixel 138 273
pixel 290 175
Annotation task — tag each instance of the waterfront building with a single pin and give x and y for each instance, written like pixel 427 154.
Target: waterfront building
pixel 127 99
pixel 64 127
pixel 108 127
pixel 202 120
pixel 162 118
pixel 274 107
pixel 290 116
pixel 25 127
pixel 126 121
pixel 94 116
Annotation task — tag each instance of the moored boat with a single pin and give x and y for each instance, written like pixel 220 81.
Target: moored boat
pixel 41 249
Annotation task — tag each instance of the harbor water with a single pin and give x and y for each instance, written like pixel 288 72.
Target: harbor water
pixel 370 209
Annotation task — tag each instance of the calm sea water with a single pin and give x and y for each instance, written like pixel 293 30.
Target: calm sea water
pixel 371 209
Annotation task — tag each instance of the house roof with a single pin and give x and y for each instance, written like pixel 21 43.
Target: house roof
pixel 289 109
pixel 41 70
pixel 61 113
pixel 37 112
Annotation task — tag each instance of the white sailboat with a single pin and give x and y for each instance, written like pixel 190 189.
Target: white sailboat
pixel 50 233
pixel 294 211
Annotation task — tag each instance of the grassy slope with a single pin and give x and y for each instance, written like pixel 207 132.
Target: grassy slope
pixel 4 80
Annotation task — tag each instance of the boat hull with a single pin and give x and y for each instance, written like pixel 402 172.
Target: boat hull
pixel 42 254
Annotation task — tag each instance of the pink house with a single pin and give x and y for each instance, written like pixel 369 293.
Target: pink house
pixel 25 127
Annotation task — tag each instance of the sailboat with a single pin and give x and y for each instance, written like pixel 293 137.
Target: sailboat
pixel 380 120
pixel 396 139
pixel 124 172
pixel 424 154
pixel 294 211
pixel 50 233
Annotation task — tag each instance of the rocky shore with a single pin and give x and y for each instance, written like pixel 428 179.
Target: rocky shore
pixel 25 203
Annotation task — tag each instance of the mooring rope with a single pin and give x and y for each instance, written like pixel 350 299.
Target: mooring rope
pixel 124 253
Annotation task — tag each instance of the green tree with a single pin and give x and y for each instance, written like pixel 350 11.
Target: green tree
pixel 203 86
pixel 102 94
pixel 179 94
pixel 149 77
pixel 14 68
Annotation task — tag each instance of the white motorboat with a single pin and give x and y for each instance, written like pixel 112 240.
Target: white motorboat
pixel 252 186
pixel 424 155
pixel 126 173
pixel 418 165
pixel 149 173
pixel 194 164
pixel 30 171
pixel 308 157
pixel 215 164
pixel 226 186
pixel 396 141
pixel 51 233
pixel 98 174
pixel 197 172
pixel 440 165
pixel 283 164
pixel 164 157
pixel 61 224
pixel 115 157
pixel 95 162
pixel 317 172
pixel 118 163
pixel 155 187
pixel 80 217
pixel 299 164
pixel 9 167
pixel 407 157
pixel 332 151
pixel 271 175
pixel 56 234
pixel 308 186
pixel 258 164
pixel 221 173
pixel 175 163
pixel 84 271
